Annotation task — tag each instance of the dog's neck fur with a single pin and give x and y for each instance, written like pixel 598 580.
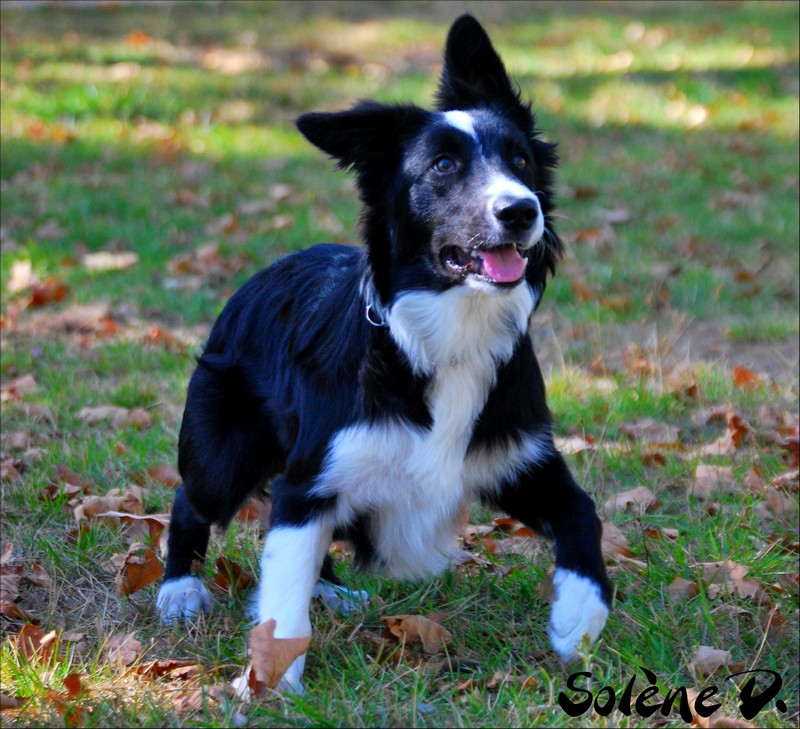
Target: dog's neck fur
pixel 436 330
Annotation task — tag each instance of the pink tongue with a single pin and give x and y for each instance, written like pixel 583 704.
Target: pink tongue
pixel 503 264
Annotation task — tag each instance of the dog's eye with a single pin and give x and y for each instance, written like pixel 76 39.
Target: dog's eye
pixel 520 162
pixel 445 165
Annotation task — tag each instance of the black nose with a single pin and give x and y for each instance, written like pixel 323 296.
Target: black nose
pixel 516 215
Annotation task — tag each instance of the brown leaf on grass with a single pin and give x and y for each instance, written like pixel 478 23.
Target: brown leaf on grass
pixel 255 510
pixel 473 533
pixel 417 629
pixel 119 417
pixel 66 474
pixel 207 261
pixel 709 480
pixel 22 277
pixel 9 472
pixel 683 384
pixel 614 544
pixel 230 577
pixel 109 260
pixel 789 481
pixel 122 650
pixel 201 699
pixel 575 444
pixel 73 685
pixel 145 529
pixel 744 378
pixel 33 642
pixel 271 656
pixel 10 579
pixel 65 482
pixel 513 527
pixel 727 444
pixel 651 431
pixel 166 474
pixel 680 589
pixel 18 387
pixel 791 444
pixel 140 568
pixel 716 720
pixel 10 702
pixel 14 611
pixel 93 506
pixel 158 336
pixel 728 577
pixel 708 660
pixel 81 318
pixel 49 291
pixel 181 670
pixel 639 500
pixel 468 559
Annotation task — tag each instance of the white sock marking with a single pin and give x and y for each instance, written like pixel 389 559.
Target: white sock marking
pixel 579 610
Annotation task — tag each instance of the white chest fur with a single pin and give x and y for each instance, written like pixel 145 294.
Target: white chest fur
pixel 413 481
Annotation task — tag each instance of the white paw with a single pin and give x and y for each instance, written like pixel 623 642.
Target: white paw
pixel 577 612
pixel 339 598
pixel 290 683
pixel 185 597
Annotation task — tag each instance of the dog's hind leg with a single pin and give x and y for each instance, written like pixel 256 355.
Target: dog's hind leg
pixel 183 595
pixel 546 498
pixel 227 452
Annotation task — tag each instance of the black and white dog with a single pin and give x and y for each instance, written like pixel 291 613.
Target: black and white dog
pixel 378 390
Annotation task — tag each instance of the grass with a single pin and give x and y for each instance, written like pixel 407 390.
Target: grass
pixel 157 129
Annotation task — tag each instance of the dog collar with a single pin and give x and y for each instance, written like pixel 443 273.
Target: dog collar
pixel 373 316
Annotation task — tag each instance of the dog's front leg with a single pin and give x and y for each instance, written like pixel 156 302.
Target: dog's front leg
pixel 546 498
pixel 290 568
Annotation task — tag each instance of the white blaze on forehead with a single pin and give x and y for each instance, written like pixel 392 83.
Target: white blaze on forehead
pixel 461 120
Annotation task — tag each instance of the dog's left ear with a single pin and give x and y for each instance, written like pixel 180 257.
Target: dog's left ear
pixel 473 72
pixel 364 136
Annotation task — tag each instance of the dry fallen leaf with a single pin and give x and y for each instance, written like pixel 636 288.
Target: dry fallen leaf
pixel 707 660
pixel 417 628
pixel 709 479
pixel 639 500
pixel 615 544
pixel 744 378
pixel 128 502
pixel 230 577
pixel 18 387
pixel 272 656
pixel 166 474
pixel 118 416
pixel 142 528
pixel 181 670
pixel 680 589
pixel 33 642
pixel 140 568
pixel 10 702
pixel 110 261
pixel 122 649
pixel 728 577
pixel 651 431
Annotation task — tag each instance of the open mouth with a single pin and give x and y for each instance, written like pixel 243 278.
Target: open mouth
pixel 499 264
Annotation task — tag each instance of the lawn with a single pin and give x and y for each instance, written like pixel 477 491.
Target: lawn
pixel 150 166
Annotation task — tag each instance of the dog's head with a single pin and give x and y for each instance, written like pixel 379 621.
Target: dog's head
pixel 457 196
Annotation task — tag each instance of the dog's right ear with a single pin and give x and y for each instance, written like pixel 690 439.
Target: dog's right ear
pixel 369 132
pixel 473 73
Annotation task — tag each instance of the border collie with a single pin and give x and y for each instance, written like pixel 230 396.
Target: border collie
pixel 377 390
